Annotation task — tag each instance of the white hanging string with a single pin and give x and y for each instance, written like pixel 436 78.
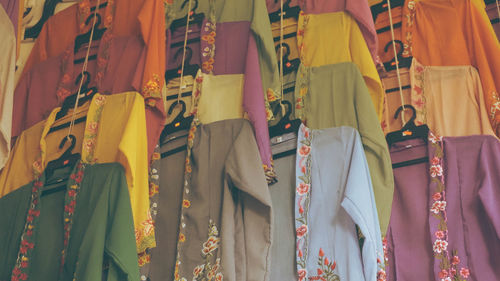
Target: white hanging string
pixel 181 82
pixel 396 60
pixel 84 68
pixel 281 60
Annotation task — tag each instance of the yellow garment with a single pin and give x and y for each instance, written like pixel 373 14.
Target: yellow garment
pixel 332 38
pixel 115 131
pixel 221 98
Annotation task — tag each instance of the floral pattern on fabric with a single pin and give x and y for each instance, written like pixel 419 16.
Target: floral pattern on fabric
pixel 495 109
pixel 326 269
pixel 449 264
pixel 152 90
pixel 410 19
pixel 302 201
pixel 303 90
pixel 21 268
pixel 92 128
pixel 208 47
pixel 84 11
pixel 417 92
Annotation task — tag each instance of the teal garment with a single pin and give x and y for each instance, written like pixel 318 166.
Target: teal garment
pixel 336 95
pixel 101 242
pixel 253 11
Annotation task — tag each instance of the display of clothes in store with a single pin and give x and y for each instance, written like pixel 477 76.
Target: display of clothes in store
pixel 250 140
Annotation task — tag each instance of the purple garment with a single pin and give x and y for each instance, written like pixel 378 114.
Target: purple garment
pixel 11 7
pixel 445 218
pixel 235 53
pixel 118 68
pixel 359 9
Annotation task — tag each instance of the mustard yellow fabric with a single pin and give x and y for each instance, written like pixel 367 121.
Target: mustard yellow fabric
pixel 332 38
pixel 221 97
pixel 115 131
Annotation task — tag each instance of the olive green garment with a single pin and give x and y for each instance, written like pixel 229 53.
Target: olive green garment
pixel 102 231
pixel 254 11
pixel 336 95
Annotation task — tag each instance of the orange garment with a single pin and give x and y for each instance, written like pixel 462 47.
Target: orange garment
pixel 144 18
pixel 456 32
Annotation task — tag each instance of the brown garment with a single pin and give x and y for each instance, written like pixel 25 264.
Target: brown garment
pixel 224 210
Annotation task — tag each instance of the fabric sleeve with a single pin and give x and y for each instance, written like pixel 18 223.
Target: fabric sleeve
pixel 253 103
pixel 359 203
pixel 489 191
pixel 484 48
pixel 261 28
pixel 8 65
pixel 377 154
pixel 360 55
pixel 244 173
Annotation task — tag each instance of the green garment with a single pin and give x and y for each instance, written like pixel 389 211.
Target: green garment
pixel 336 95
pixel 101 240
pixel 254 11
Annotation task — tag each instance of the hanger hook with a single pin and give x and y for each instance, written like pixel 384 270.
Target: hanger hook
pixel 98 21
pixel 174 105
pixel 189 55
pixel 70 137
pixel 86 75
pixel 287 49
pixel 195 5
pixel 406 106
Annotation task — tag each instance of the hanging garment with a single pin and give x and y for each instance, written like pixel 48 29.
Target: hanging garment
pixel 450 33
pixel 11 8
pixel 283 198
pixel 393 99
pixel 225 222
pixel 7 70
pixel 336 95
pixel 449 99
pixel 73 234
pixel 235 53
pixel 114 132
pixel 444 224
pixel 327 241
pixel 331 38
pixel 227 11
pixel 168 208
pixel 125 18
pixel 48 83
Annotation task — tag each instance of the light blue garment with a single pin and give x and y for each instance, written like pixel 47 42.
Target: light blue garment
pixel 334 194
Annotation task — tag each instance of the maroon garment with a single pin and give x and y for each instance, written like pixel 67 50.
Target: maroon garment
pixel 118 68
pixel 445 219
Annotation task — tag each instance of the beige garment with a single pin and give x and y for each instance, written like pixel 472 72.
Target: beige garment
pixel 7 70
pixel 450 100
pixel 393 99
pixel 221 97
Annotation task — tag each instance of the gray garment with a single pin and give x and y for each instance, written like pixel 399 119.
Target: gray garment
pixel 222 210
pixel 171 171
pixel 283 265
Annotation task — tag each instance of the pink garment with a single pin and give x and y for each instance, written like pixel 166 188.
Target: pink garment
pixel 118 68
pixel 359 9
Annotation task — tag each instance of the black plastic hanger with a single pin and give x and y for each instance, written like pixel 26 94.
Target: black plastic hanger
pixel 189 69
pixel 85 95
pixel 405 87
pixel 85 38
pixel 289 65
pixel 382 7
pixel 179 123
pixel 285 125
pixel 409 131
pixel 288 12
pixel 194 18
pixel 403 61
pixel 65 160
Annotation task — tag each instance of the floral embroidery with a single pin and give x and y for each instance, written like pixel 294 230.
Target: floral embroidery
pixel 84 12
pixel 92 128
pixel 303 192
pixel 448 263
pixel 152 90
pixel 381 273
pixel 494 109
pixel 325 271
pixel 417 92
pixel 143 259
pixel 208 51
pixel 303 91
pixel 410 19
